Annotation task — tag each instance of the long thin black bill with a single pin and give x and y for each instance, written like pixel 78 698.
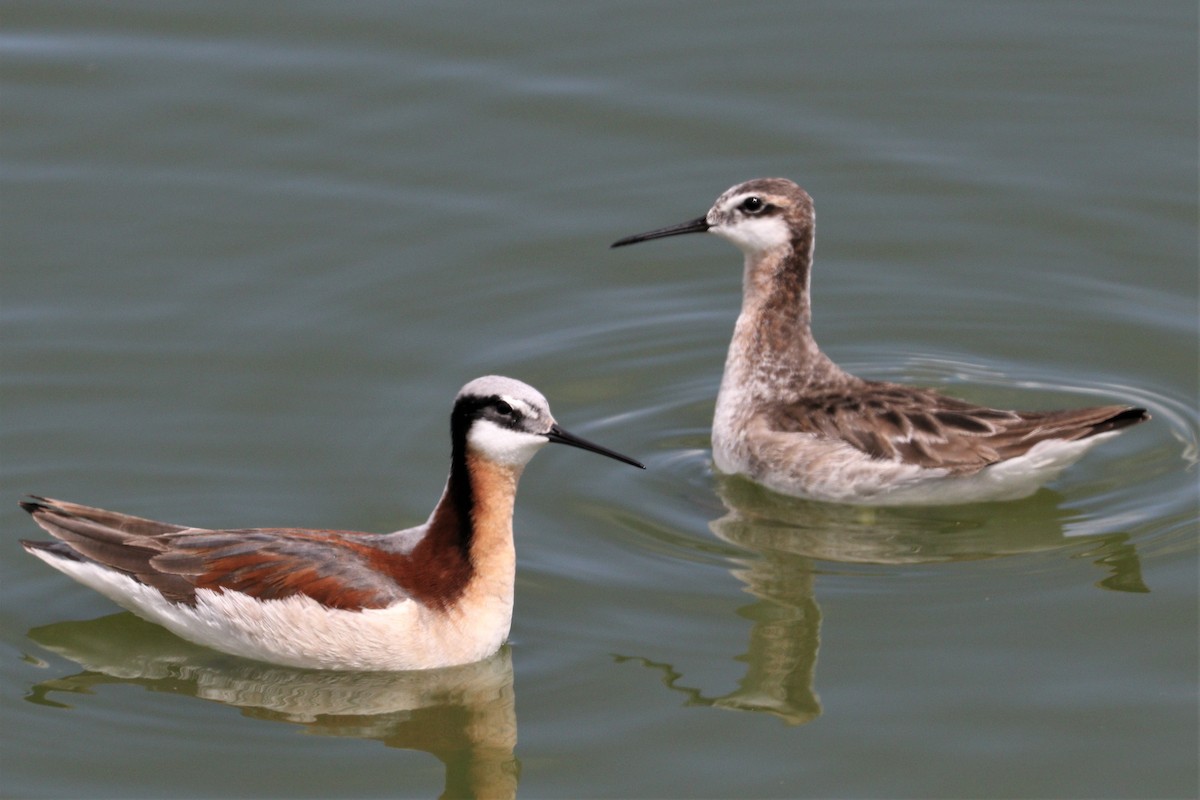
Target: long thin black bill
pixel 698 225
pixel 557 434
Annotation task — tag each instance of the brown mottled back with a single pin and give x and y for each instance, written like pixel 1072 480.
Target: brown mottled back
pixel 893 422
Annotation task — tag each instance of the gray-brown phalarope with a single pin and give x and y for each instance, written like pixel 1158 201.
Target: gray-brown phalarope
pixel 789 418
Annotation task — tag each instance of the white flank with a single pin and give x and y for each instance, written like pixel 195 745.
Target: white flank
pixel 300 632
pixel 833 471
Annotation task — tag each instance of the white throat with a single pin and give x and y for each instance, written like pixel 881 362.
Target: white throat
pixel 755 237
pixel 504 445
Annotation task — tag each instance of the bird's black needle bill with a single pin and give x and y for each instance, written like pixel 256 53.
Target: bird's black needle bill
pixel 698 225
pixel 557 434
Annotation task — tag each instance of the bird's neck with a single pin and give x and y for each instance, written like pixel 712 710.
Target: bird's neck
pixel 773 352
pixel 469 537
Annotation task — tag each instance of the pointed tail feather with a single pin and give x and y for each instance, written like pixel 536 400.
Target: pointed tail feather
pixel 109 539
pixel 1122 419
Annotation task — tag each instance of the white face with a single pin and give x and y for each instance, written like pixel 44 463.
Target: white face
pixel 504 445
pixel 752 234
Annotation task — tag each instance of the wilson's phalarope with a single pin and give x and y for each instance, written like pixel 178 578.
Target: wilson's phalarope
pixel 435 595
pixel 789 418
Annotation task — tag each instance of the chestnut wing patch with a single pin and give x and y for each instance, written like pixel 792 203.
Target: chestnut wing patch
pixel 330 567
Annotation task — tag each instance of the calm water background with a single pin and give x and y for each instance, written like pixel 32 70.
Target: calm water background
pixel 250 252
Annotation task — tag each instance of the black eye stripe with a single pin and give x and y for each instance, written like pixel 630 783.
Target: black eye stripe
pixel 503 407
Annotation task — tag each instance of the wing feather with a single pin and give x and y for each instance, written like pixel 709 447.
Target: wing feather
pixel 270 564
pixel 335 568
pixel 918 426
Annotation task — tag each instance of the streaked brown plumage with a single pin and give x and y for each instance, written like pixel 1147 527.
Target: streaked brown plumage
pixel 790 418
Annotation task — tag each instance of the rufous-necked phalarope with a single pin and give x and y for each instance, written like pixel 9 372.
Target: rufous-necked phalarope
pixel 789 418
pixel 435 595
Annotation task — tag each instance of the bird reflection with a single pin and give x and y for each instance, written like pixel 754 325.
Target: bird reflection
pixel 764 521
pixel 781 659
pixel 465 716
pixel 785 538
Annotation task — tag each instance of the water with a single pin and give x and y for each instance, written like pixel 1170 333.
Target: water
pixel 251 252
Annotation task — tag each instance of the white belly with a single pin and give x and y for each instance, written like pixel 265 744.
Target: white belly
pixel 818 468
pixel 299 632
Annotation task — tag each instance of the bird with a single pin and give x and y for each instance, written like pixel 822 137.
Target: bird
pixel 436 595
pixel 789 418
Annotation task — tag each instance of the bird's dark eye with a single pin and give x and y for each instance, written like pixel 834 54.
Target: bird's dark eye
pixel 752 205
pixel 504 408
